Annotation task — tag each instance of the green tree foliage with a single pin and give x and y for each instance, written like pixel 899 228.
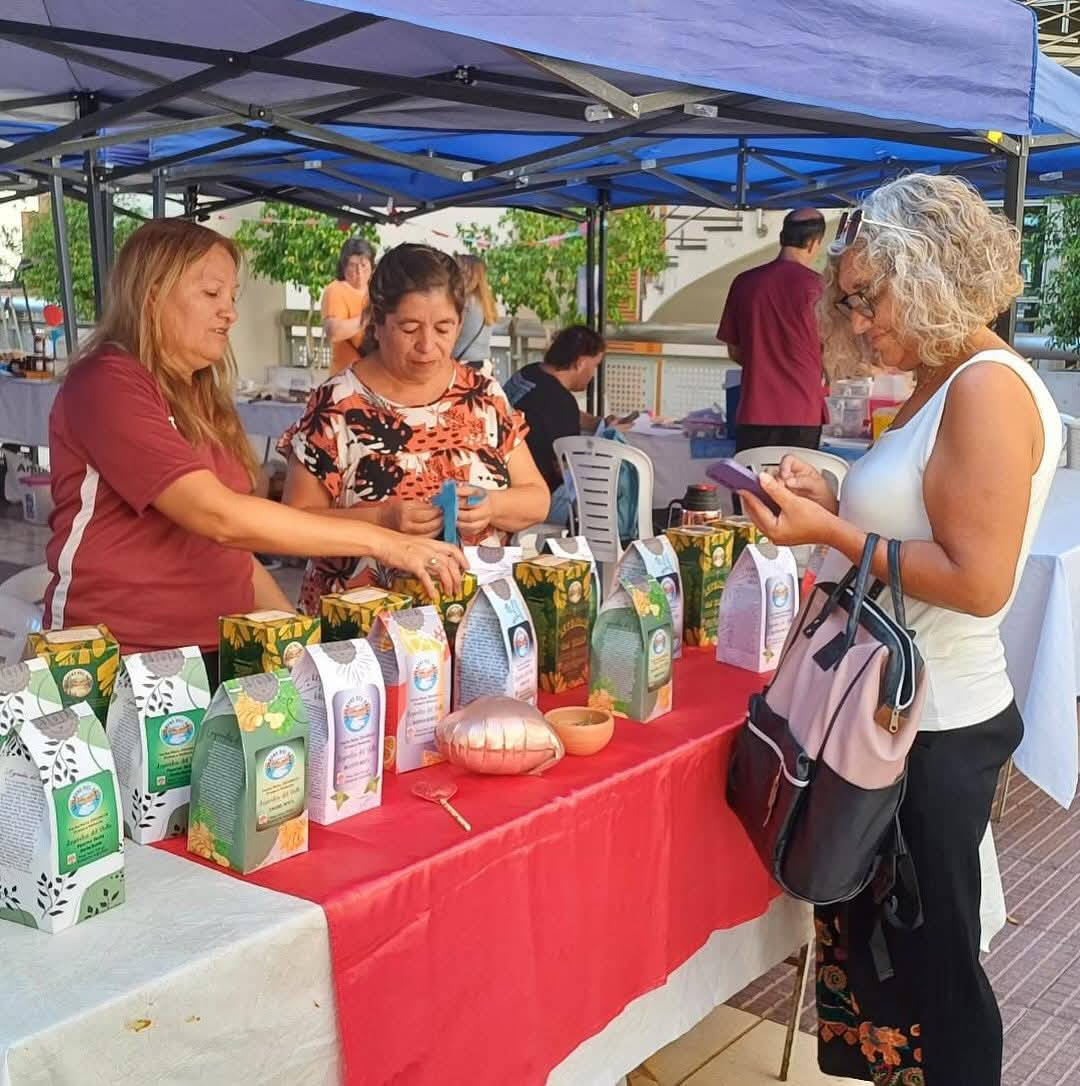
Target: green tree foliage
pixel 288 244
pixel 42 278
pixel 1058 242
pixel 527 271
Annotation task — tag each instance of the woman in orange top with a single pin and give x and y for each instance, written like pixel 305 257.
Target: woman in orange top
pixel 344 303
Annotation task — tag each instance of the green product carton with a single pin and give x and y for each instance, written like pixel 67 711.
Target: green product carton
pixel 61 834
pixel 348 615
pixel 577 547
pixel 558 593
pixel 263 641
pixel 154 718
pixel 706 556
pixel 656 558
pixel 746 532
pixel 630 673
pixel 249 776
pixel 83 660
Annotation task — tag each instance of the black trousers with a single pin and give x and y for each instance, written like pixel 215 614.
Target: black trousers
pixel 936 1020
pixel 758 437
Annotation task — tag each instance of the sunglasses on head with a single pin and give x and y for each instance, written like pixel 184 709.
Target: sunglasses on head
pixel 851 224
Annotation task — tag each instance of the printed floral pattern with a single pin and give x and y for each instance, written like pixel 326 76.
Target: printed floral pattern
pixel 892 1054
pixel 364 448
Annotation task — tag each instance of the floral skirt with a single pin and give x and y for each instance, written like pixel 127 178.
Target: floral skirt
pixel 935 1021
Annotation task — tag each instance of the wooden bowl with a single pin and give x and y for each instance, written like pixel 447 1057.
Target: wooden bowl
pixel 582 730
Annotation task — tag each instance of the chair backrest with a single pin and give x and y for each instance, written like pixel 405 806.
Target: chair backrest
pixel 834 468
pixel 18 619
pixel 593 465
pixel 28 584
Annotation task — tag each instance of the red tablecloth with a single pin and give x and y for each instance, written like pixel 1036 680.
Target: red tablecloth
pixel 488 957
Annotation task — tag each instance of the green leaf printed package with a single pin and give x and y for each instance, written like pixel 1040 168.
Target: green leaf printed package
pixel 61 834
pixel 656 558
pixel 249 776
pixel 154 718
pixel 27 691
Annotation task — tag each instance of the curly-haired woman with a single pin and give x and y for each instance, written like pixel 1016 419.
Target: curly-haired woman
pixel 378 441
pixel 914 278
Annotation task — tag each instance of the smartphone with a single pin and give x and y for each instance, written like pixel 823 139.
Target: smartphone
pixel 731 475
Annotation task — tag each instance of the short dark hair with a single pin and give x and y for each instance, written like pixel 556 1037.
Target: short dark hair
pixel 354 247
pixel 411 269
pixel 577 341
pixel 801 233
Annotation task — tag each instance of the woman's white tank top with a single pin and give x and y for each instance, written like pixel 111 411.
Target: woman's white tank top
pixel 883 493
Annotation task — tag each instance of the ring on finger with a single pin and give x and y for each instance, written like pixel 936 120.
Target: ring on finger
pixel 433 562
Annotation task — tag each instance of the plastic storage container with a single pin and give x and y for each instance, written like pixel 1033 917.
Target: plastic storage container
pixel 37 500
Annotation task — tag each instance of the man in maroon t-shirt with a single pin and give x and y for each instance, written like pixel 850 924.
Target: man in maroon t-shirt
pixel 771 330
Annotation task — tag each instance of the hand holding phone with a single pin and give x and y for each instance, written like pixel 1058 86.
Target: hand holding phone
pixel 733 476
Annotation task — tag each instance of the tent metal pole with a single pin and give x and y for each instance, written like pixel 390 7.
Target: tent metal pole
pixel 740 176
pixel 160 189
pixel 601 286
pixel 63 257
pixel 108 224
pixel 590 295
pixel 87 105
pixel 1015 190
pixel 191 200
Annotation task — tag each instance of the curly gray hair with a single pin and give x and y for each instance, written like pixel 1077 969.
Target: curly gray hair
pixel 950 263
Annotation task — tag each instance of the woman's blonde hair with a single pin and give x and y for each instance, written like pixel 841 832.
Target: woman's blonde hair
pixel 474 273
pixel 146 272
pixel 951 266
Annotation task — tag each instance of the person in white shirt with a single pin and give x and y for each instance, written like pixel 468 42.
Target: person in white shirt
pixel 915 277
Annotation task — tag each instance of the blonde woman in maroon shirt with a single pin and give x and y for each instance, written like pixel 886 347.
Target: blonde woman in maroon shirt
pixel 155 524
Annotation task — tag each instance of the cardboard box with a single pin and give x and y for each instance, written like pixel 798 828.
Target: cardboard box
pixel 83 660
pixel 759 604
pixel 558 593
pixel 496 647
pixel 157 708
pixel 341 687
pixel 61 836
pixel 27 691
pixel 656 558
pixel 631 669
pixel 577 548
pixel 451 608
pixel 489 564
pixel 746 532
pixel 249 779
pixel 264 641
pixel 705 555
pixel 349 615
pixel 415 661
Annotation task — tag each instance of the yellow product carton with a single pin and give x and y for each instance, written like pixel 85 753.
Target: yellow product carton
pixel 264 641
pixel 451 608
pixel 705 556
pixel 348 615
pixel 558 593
pixel 84 661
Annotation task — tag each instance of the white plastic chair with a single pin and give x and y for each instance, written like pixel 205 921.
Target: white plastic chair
pixel 834 468
pixel 532 540
pixel 593 465
pixel 28 584
pixel 18 619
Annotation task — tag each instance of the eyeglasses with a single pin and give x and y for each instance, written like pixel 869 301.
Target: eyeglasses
pixel 857 302
pixel 851 224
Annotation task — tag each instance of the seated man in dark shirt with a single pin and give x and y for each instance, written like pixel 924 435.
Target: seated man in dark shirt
pixel 545 392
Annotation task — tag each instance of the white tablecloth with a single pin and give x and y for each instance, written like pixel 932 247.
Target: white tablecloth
pixel 1042 642
pixel 24 410
pixel 233 979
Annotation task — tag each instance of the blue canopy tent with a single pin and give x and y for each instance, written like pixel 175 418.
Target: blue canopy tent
pixel 770 103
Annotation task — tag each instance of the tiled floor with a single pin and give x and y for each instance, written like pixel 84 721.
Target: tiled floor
pixel 1034 965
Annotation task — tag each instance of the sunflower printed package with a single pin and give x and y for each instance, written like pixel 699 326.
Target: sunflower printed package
pixel 415 662
pixel 558 593
pixel 705 554
pixel 577 547
pixel 263 641
pixel 630 673
pixel 496 647
pixel 83 661
pixel 249 775
pixel 61 836
pixel 758 606
pixel 656 558
pixel 451 608
pixel 348 615
pixel 154 717
pixel 341 686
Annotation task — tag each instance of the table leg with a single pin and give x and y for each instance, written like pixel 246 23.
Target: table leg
pixel 802 971
pixel 1004 780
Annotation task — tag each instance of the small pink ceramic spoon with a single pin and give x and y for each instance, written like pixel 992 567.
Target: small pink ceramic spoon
pixel 441 794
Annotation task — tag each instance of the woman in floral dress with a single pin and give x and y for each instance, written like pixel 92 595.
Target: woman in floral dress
pixel 378 441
